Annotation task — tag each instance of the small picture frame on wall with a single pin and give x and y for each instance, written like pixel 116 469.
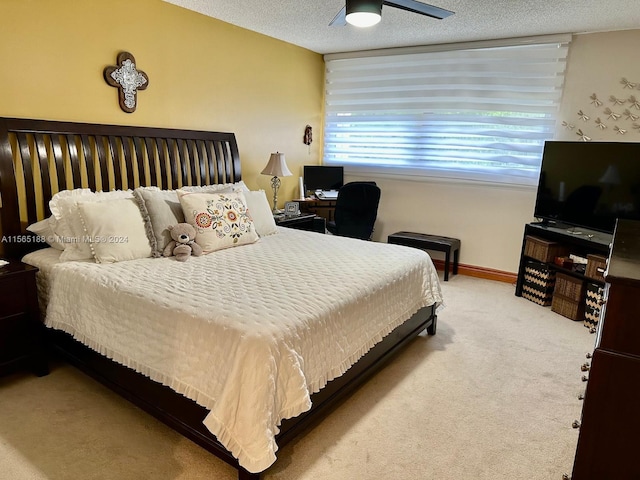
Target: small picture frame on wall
pixel 292 209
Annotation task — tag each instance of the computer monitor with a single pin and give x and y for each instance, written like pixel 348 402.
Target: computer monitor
pixel 321 177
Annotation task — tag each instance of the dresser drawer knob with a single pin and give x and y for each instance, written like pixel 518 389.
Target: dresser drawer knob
pixel 589 355
pixel 565 476
pixel 585 367
pixel 575 424
pixel 581 396
pixel 584 378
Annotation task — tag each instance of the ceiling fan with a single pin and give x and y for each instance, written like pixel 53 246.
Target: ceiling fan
pixel 365 13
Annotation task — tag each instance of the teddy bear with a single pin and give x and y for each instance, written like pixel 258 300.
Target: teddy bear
pixel 183 244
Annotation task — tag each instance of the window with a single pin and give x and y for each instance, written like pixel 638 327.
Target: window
pixel 472 113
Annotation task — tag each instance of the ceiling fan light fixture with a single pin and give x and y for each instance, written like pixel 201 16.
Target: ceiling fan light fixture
pixel 363 13
pixel 363 19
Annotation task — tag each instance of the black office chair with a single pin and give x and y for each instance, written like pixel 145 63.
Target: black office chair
pixel 356 210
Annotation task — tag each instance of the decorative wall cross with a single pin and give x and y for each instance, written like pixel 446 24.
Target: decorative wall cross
pixel 127 79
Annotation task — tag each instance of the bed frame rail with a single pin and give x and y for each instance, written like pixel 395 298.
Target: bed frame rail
pixel 185 416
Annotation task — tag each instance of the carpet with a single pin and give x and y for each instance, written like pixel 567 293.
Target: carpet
pixel 491 396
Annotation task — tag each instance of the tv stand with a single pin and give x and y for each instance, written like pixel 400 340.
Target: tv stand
pixel 546 223
pixel 567 228
pixel 580 241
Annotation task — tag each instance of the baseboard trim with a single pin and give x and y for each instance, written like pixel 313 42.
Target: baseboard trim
pixel 480 272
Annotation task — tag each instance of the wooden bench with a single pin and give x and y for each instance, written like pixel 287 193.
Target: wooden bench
pixel 431 242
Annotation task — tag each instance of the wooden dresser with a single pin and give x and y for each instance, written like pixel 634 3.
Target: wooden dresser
pixel 609 440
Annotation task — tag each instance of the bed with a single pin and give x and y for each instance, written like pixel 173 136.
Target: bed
pixel 293 359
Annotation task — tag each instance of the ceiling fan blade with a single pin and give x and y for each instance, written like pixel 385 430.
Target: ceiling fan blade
pixel 419 7
pixel 340 19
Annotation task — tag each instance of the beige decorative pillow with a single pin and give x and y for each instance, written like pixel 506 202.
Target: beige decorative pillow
pixel 161 209
pixel 260 212
pixel 68 226
pixel 221 220
pixel 115 230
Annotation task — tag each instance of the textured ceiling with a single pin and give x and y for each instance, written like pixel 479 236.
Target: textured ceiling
pixel 305 22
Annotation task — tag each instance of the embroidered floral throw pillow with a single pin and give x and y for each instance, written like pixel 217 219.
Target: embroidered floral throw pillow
pixel 221 220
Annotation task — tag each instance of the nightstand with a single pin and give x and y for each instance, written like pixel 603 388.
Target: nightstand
pixel 309 222
pixel 21 332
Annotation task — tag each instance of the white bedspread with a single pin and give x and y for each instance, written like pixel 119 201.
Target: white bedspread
pixel 247 332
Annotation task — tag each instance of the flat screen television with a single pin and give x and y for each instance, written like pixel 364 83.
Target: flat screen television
pixel 589 184
pixel 321 177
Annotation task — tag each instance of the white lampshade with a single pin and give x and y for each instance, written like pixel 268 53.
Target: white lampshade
pixel 277 167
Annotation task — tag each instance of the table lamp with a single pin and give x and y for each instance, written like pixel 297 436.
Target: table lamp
pixel 276 167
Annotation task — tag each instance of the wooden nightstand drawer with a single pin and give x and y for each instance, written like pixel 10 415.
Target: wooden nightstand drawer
pixel 21 332
pixel 14 294
pixel 15 339
pixel 309 222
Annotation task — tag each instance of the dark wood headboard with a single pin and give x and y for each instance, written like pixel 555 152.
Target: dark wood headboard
pixel 39 158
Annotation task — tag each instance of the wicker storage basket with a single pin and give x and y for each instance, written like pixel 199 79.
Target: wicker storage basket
pixel 569 287
pixel 539 281
pixel 543 250
pixel 593 306
pixel 567 308
pixel 568 297
pixel 595 262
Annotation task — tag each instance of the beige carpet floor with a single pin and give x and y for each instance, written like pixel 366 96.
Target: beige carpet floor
pixel 491 396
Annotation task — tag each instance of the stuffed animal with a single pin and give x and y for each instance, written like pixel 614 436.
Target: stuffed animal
pixel 183 244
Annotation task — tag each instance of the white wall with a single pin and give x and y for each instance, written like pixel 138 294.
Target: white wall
pixel 489 221
pixel 597 63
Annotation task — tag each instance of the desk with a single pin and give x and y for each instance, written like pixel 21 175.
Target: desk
pixel 321 208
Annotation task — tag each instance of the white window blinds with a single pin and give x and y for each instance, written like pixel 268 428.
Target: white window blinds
pixel 474 113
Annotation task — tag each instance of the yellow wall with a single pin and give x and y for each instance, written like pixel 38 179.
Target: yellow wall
pixel 204 74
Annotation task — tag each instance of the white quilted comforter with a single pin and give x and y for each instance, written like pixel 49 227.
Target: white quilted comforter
pixel 247 332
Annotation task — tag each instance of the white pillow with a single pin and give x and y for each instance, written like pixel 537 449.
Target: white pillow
pixel 221 220
pixel 46 230
pixel 115 230
pixel 68 227
pixel 260 212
